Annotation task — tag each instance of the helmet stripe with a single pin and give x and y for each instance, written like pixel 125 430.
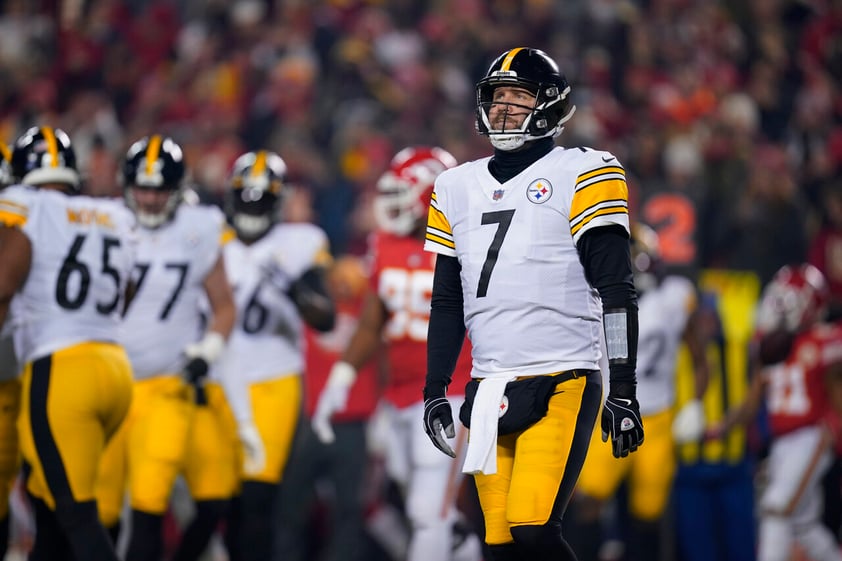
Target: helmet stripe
pixel 52 145
pixel 4 150
pixel 259 165
pixel 152 151
pixel 510 56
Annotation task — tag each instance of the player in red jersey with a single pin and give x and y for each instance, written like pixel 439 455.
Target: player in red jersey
pixel 799 356
pixel 397 311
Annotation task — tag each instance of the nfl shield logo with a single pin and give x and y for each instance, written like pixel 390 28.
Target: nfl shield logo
pixel 497 195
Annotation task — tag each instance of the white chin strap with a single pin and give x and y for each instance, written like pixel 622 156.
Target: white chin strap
pixel 151 220
pixel 508 141
pixel 251 226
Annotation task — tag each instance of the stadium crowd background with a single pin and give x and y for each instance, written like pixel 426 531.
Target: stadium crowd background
pixel 735 104
pixel 732 108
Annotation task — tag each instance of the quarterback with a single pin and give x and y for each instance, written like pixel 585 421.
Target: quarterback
pixel 533 260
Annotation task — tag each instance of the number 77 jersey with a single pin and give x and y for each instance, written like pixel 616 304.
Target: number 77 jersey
pixel 528 306
pixel 82 254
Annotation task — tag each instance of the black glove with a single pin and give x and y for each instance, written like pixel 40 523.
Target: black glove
pixel 438 416
pixel 621 420
pixel 195 373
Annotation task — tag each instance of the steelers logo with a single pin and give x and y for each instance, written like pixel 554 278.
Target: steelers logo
pixel 539 191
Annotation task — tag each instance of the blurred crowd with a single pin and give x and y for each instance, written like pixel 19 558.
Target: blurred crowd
pixel 731 108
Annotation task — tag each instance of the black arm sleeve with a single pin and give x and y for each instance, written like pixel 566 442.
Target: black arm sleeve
pixel 446 331
pixel 605 255
pixel 311 298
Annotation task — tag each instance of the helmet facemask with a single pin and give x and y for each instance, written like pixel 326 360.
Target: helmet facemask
pixel 531 70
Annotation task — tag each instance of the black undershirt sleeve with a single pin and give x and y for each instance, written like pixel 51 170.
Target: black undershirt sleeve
pixel 446 331
pixel 605 255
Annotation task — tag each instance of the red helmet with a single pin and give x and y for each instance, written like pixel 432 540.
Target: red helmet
pixel 403 191
pixel 795 298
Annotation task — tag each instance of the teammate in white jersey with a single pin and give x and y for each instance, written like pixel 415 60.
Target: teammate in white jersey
pixel 278 274
pixel 667 304
pixel 66 261
pixel 171 427
pixel 9 396
pixel 533 258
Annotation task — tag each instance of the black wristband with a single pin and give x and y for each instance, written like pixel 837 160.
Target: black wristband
pixel 434 389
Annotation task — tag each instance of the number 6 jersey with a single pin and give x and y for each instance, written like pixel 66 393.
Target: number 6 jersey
pixel 80 299
pixel 528 307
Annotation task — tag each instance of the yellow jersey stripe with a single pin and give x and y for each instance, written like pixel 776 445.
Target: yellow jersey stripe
pixel 601 212
pixel 152 151
pixel 228 234
pixel 599 171
pixel 438 221
pixel 12 219
pixel 605 191
pixel 432 237
pixel 5 152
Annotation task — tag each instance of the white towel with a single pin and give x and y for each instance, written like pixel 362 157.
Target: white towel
pixel 481 456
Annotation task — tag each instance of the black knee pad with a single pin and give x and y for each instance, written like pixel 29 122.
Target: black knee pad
pixel 534 536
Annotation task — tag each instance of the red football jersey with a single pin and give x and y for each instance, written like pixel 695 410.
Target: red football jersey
pixel 402 275
pixel 796 395
pixel 323 350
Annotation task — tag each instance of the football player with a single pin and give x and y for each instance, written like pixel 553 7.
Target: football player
pixel 169 431
pixel 798 356
pixel 667 304
pixel 9 395
pixel 397 310
pixel 277 270
pixel 533 260
pixel 66 260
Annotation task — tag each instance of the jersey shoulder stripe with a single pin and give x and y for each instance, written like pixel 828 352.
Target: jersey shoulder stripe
pixel 15 206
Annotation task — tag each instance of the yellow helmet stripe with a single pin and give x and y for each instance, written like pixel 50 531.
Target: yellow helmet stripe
pixel 52 145
pixel 510 56
pixel 259 165
pixel 152 151
pixel 5 152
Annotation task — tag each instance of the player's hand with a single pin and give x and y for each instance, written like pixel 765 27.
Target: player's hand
pixel 334 398
pixel 689 423
pixel 254 460
pixel 438 417
pixel 195 373
pixel 621 421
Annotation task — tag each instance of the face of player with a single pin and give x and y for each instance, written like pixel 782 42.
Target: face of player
pixel 510 107
pixel 151 201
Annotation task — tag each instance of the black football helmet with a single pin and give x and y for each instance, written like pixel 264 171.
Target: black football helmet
pixel 255 192
pixel 532 70
pixel 45 155
pixel 154 163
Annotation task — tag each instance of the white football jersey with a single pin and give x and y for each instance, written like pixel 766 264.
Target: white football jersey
pixel 267 339
pixel 528 307
pixel 165 314
pixel 82 255
pixel 662 316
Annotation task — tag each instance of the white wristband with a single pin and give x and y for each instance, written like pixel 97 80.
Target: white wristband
pixel 209 348
pixel 341 374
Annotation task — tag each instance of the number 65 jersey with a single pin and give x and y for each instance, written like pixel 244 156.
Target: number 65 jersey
pixel 82 253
